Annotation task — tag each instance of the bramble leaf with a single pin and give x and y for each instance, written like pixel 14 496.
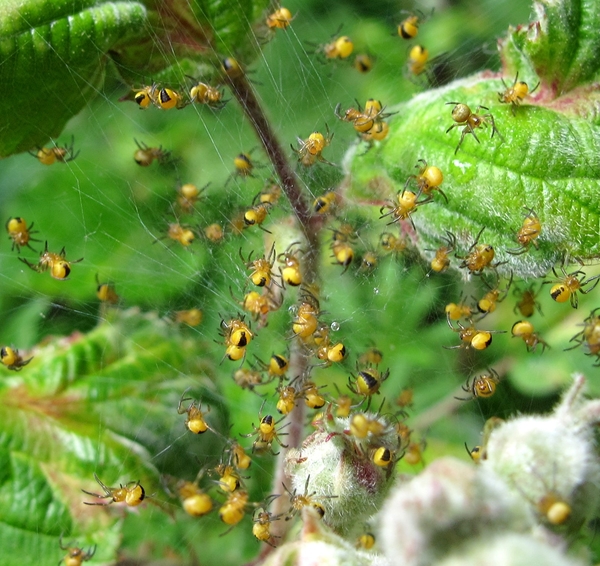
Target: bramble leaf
pixel 75 412
pixel 561 46
pixel 544 156
pixel 54 57
pixel 55 53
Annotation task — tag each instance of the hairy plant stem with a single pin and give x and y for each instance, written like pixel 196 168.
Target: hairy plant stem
pixel 311 225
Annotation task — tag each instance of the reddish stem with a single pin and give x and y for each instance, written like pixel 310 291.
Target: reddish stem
pixel 310 225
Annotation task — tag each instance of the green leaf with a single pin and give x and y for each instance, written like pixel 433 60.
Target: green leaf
pixel 54 57
pixel 75 411
pixel 191 38
pixel 55 54
pixel 543 157
pixel 561 46
pixel 546 162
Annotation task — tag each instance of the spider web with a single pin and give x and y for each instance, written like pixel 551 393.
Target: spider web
pixel 113 213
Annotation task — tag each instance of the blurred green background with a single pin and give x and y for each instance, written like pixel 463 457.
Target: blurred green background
pixel 105 208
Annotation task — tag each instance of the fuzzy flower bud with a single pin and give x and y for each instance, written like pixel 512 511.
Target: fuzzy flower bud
pixel 319 546
pixel 431 516
pixel 507 549
pixel 338 469
pixel 551 461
